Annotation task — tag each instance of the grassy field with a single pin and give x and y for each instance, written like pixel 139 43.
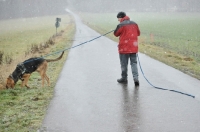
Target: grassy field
pixel 22 33
pixel 172 38
pixel 23 109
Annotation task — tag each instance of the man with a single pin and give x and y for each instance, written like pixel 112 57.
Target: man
pixel 128 32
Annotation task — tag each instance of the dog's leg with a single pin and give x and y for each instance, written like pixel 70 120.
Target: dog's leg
pixel 26 81
pixel 23 80
pixel 45 75
pixel 23 83
pixel 42 71
pixel 42 76
pixel 47 79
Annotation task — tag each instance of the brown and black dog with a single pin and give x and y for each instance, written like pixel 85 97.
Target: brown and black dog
pixel 23 71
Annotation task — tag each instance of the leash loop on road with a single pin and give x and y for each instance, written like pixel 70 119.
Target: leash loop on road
pixel 160 87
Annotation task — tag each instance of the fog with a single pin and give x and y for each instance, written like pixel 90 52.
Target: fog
pixel 30 8
pixel 137 5
pixel 10 9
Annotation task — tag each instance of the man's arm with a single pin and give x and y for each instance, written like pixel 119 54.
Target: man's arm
pixel 117 31
pixel 138 30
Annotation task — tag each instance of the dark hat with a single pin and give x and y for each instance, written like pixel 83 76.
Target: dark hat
pixel 121 14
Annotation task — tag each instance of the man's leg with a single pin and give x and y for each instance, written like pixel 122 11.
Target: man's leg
pixel 124 63
pixel 134 68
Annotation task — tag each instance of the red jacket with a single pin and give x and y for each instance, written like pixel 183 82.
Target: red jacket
pixel 128 32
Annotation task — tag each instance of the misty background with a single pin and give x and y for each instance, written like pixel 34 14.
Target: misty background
pixel 137 5
pixel 10 9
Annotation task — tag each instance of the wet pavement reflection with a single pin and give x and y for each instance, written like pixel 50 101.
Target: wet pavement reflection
pixel 131 109
pixel 88 98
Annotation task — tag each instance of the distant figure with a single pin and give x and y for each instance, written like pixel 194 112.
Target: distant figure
pixel 128 32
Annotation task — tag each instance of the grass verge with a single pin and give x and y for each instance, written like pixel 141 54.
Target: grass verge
pixel 23 109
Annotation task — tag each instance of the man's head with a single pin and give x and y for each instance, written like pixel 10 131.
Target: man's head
pixel 121 15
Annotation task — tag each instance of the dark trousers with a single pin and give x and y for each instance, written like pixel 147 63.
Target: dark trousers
pixel 124 65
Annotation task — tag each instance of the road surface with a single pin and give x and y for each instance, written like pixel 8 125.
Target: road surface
pixel 88 98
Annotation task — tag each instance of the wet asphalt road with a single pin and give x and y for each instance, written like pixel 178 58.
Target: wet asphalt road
pixel 88 98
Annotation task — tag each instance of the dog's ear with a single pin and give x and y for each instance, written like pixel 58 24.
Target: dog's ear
pixel 7 82
pixel 9 79
pixel 10 83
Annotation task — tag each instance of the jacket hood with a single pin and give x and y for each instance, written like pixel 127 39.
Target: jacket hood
pixel 125 18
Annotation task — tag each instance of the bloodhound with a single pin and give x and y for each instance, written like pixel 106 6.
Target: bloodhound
pixel 23 71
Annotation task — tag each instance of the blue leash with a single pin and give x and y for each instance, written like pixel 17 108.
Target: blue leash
pixel 78 44
pixel 71 47
pixel 160 87
pixel 137 57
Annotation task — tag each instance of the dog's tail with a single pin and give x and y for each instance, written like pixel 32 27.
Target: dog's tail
pixel 50 60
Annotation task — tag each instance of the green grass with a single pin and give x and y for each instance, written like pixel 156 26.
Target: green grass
pixel 21 33
pixel 23 109
pixel 179 32
pixel 172 38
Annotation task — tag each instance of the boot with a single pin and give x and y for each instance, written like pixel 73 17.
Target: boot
pixel 122 80
pixel 137 83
